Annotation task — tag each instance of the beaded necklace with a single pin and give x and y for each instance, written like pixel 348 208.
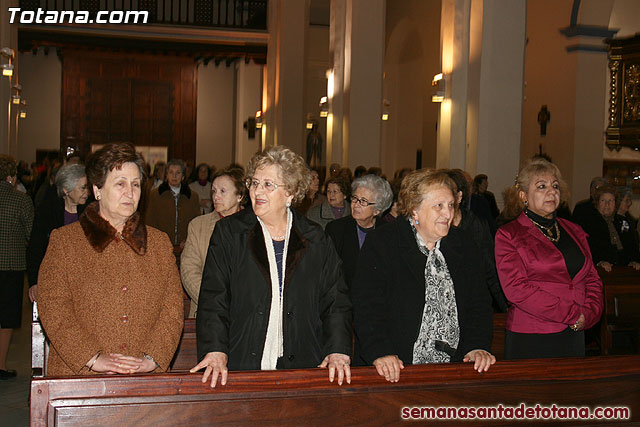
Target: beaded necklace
pixel 547 231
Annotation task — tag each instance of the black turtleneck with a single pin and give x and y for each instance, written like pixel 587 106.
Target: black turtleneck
pixel 573 256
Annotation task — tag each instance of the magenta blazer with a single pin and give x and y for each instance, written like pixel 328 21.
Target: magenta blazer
pixel 537 284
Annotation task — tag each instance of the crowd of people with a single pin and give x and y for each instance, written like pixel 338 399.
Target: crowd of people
pixel 288 268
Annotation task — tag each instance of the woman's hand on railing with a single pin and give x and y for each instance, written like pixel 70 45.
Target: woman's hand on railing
pixel 482 359
pixel 337 363
pixel 215 363
pixel 389 367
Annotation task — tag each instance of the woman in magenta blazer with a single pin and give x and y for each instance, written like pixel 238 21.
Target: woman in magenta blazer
pixel 546 272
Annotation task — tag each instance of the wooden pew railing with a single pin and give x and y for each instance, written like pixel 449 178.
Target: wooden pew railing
pixel 622 308
pixel 305 397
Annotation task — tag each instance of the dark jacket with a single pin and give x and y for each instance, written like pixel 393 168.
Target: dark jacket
pixel 479 205
pixel 344 234
pixel 583 210
pixel 478 230
pixel 161 211
pixel 235 296
pixel 600 241
pixel 388 293
pixel 49 216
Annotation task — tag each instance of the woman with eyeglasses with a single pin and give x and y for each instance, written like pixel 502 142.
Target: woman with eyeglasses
pixel 370 197
pixel 611 238
pixel 273 295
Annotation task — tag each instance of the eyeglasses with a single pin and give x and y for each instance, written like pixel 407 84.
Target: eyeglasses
pixel 362 202
pixel 269 186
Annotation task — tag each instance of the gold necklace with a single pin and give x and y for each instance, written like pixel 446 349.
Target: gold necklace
pixel 547 230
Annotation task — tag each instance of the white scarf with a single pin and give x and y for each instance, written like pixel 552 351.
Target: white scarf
pixel 273 343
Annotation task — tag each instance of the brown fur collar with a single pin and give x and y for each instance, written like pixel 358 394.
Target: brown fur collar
pixel 100 233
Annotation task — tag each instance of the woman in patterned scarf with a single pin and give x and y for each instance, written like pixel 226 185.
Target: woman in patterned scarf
pixel 420 295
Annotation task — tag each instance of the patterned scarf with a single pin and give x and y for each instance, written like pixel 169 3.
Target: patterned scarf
pixel 613 233
pixel 440 315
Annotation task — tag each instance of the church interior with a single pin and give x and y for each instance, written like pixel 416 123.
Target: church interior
pixel 479 85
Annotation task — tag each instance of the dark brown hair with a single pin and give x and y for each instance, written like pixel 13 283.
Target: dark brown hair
pixel 113 156
pixel 341 183
pixel 237 176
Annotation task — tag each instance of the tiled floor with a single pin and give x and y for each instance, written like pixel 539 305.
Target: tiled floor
pixel 14 393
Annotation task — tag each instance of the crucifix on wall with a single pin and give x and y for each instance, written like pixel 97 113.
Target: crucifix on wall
pixel 544 117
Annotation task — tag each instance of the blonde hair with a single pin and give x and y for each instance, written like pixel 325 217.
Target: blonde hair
pixel 534 168
pixel 417 183
pixel 294 172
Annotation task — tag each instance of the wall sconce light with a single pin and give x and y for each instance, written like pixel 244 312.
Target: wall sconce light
pixel 440 83
pixel 385 109
pixel 15 99
pixel 309 125
pixel 259 119
pixel 7 70
pixel 23 110
pixel 7 52
pixel 324 106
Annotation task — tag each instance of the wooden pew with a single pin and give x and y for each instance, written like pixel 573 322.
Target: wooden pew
pixel 298 397
pixel 622 306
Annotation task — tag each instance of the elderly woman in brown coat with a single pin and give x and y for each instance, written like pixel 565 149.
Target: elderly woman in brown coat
pixel 110 298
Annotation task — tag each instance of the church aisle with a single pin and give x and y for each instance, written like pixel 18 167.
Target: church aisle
pixel 14 393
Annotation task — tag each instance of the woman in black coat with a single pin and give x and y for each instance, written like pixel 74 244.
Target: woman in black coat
pixel 419 295
pixel 273 295
pixel 62 205
pixel 371 196
pixel 612 239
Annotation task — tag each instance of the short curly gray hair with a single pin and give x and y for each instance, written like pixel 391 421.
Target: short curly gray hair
pixel 295 174
pixel 380 188
pixel 68 176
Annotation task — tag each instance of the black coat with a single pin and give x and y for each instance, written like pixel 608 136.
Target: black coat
pixel 478 230
pixel 235 296
pixel 388 293
pixel 49 216
pixel 344 234
pixel 600 241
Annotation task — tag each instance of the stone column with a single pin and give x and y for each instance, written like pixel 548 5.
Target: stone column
pixel 480 119
pixel 283 105
pixel 248 101
pixel 355 86
pixel 501 94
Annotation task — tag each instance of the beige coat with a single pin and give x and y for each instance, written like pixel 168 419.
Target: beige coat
pixel 195 254
pixel 101 293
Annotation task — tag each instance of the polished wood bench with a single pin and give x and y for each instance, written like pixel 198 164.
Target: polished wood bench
pixel 622 307
pixel 305 397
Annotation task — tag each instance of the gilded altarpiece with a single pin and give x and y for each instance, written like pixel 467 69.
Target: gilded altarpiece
pixel 623 129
